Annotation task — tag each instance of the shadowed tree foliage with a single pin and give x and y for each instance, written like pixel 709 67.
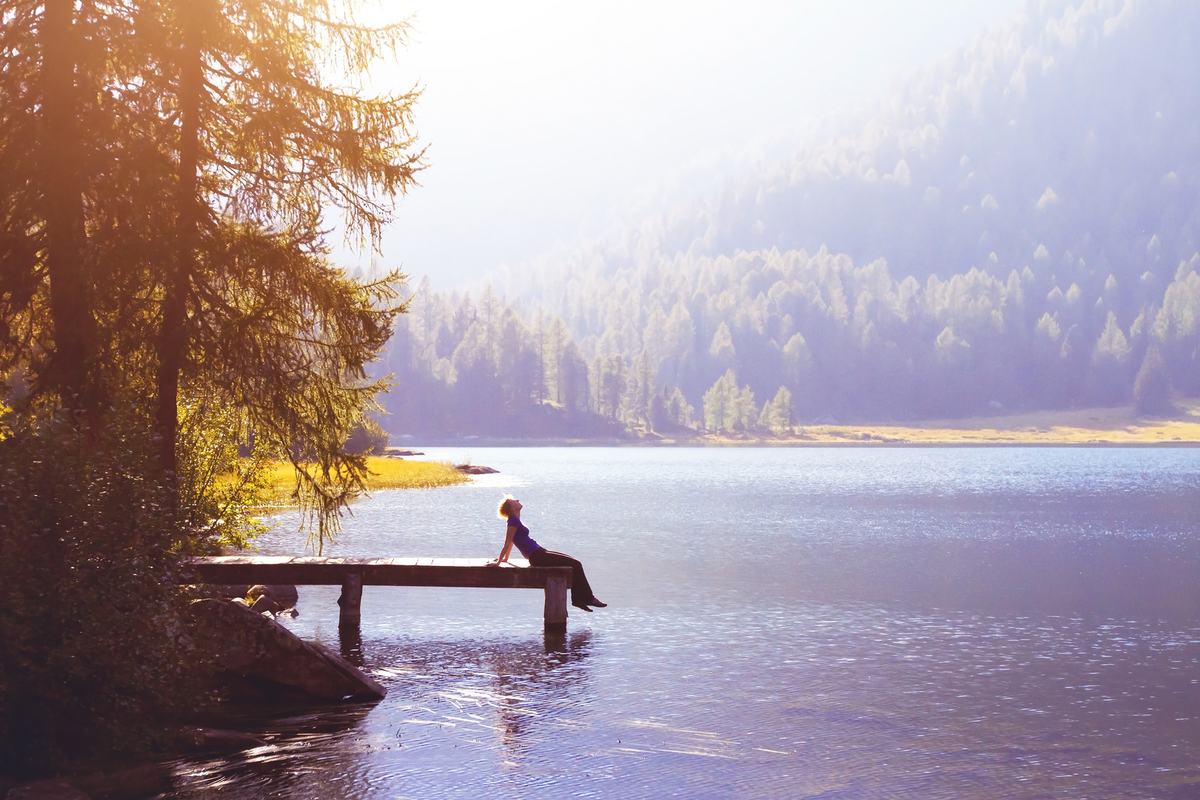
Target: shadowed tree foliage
pixel 168 174
pixel 95 658
pixel 266 138
pixel 55 62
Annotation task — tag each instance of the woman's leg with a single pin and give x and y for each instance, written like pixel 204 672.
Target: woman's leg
pixel 581 590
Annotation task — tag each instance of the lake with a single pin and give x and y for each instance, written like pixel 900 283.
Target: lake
pixel 789 622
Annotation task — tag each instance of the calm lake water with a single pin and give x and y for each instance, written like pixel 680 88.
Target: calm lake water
pixel 834 623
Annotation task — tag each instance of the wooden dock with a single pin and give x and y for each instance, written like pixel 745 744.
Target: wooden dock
pixel 354 573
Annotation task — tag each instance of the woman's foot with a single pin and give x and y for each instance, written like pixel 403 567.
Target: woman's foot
pixel 597 603
pixel 582 606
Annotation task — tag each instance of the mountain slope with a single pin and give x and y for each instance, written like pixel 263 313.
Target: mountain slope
pixel 1018 227
pixel 1065 134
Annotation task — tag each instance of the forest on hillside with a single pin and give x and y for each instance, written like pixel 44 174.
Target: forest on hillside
pixel 1015 228
pixel 767 340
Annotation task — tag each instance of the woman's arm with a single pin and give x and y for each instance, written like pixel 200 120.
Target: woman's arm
pixel 508 543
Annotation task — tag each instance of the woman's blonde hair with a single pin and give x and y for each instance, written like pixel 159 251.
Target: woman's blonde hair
pixel 505 510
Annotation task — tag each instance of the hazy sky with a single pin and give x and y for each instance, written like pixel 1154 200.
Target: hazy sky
pixel 547 121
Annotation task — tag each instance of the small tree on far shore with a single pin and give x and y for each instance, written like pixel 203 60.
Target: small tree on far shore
pixel 1152 386
pixel 777 414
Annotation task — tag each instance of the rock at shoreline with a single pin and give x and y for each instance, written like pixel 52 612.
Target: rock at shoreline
pixel 216 740
pixel 470 469
pixel 275 599
pixel 143 780
pixel 54 789
pixel 252 645
pixel 283 594
pixel 265 605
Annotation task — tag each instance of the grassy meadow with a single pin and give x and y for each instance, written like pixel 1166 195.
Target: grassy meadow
pixel 386 473
pixel 1089 426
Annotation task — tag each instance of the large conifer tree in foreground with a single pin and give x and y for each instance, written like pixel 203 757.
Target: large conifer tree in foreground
pixel 165 173
pixel 169 169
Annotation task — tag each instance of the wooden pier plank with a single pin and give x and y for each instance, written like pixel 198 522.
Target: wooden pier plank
pixel 313 571
pixel 352 574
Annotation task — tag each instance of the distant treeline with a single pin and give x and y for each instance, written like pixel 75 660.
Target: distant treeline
pixel 768 340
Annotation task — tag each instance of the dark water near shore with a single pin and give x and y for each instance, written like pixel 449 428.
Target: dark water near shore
pixel 783 622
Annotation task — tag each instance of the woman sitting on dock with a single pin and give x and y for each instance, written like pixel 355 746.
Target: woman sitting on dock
pixel 518 534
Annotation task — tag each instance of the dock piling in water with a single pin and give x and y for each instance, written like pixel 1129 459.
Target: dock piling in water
pixel 556 603
pixel 351 600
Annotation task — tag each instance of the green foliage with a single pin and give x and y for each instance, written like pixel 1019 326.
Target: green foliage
pixel 165 173
pixel 610 376
pixel 670 412
pixel 368 438
pixel 94 659
pixel 201 148
pixel 776 415
pixel 284 338
pixel 727 408
pixel 220 491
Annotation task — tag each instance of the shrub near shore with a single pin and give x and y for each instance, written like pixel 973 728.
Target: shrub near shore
pixel 94 662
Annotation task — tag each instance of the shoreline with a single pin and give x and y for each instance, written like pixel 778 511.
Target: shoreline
pixel 1089 427
pixel 799 443
pixel 386 472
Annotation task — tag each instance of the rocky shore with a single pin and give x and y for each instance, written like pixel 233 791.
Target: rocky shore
pixel 250 643
pixel 241 630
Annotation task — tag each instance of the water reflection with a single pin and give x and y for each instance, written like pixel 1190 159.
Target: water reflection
pixel 465 696
pixel 517 692
pixel 281 768
pixel 559 672
pixel 350 644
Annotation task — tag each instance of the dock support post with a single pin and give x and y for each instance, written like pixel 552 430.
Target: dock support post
pixel 556 604
pixel 351 599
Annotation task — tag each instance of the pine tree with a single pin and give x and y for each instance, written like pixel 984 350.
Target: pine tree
pixel 1152 386
pixel 720 403
pixel 175 179
pixel 644 383
pixel 776 414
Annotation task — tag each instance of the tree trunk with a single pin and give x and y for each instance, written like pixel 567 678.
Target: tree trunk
pixel 173 338
pixel 70 292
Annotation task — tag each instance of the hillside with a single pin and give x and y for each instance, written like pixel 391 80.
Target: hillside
pixel 1015 229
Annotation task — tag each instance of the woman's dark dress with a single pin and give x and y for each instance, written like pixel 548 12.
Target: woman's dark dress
pixel 581 590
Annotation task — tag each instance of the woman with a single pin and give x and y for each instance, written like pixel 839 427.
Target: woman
pixel 518 534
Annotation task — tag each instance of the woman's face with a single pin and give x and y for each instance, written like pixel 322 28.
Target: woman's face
pixel 515 506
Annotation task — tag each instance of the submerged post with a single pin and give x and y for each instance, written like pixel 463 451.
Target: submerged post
pixel 556 604
pixel 351 599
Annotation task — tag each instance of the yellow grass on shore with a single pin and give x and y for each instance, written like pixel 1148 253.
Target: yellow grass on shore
pixel 1092 426
pixel 386 473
